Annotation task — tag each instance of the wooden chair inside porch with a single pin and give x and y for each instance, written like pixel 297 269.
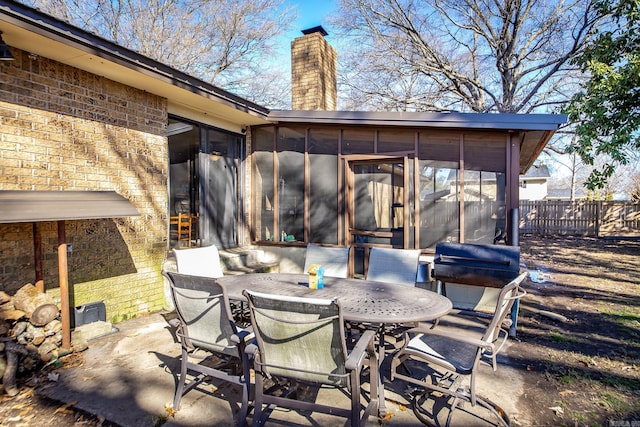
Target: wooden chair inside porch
pixel 180 228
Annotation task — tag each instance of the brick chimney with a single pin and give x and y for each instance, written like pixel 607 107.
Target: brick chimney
pixel 313 72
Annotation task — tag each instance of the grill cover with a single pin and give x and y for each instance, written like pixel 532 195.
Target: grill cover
pixel 482 265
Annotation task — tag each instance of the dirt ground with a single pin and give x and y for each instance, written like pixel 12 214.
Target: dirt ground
pixel 578 341
pixel 579 332
pixel 29 409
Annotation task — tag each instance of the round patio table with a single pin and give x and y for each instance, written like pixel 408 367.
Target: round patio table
pixel 362 301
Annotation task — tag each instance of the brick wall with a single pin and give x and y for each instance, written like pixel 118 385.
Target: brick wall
pixel 65 129
pixel 313 73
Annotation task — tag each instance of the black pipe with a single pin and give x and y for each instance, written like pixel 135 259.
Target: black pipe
pixel 515 226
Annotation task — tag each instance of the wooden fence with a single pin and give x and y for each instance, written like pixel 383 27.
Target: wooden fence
pixel 593 219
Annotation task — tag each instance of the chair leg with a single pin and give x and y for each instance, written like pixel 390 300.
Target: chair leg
pixel 497 411
pixel 454 405
pixel 355 397
pixel 257 402
pixel 465 395
pixel 181 381
pixel 246 390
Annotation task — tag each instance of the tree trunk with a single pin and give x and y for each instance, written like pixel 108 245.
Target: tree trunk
pixel 39 307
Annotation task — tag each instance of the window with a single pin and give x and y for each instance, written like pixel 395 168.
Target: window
pixel 204 174
pixel 300 184
pixel 325 211
pixel 484 187
pixel 264 192
pixel 396 141
pixel 439 188
pixel 290 149
pixel 358 141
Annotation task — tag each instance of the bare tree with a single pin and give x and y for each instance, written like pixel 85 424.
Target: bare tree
pixel 225 42
pixel 502 56
pixel 635 189
pixel 569 170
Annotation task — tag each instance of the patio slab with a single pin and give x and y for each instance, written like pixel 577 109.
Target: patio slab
pixel 127 378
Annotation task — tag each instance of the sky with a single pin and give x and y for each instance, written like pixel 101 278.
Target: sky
pixel 312 13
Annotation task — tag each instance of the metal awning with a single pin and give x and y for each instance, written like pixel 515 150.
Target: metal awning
pixel 37 206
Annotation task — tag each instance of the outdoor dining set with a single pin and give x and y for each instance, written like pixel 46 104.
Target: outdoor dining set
pixel 272 333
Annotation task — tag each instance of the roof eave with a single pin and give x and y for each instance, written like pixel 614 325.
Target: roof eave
pixel 513 122
pixel 70 37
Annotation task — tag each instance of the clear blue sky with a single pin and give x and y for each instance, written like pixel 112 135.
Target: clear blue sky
pixel 312 13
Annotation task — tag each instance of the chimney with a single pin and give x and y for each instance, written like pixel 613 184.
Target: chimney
pixel 313 72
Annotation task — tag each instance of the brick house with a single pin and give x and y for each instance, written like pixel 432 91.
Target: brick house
pixel 78 112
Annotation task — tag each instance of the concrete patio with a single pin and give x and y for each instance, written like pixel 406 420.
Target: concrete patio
pixel 128 378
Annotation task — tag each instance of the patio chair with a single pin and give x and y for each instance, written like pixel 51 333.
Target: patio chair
pixel 334 260
pixel 204 261
pixel 302 340
pixel 475 324
pixel 393 265
pixel 454 355
pixel 212 344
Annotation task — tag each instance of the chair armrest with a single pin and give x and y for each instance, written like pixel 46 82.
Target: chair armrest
pixel 251 349
pixel 448 335
pixel 358 353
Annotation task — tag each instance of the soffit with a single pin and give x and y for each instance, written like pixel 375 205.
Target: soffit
pixel 27 30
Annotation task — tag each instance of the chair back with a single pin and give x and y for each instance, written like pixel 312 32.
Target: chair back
pixel 508 295
pixel 203 309
pixel 393 265
pixel 204 261
pixel 299 338
pixel 335 261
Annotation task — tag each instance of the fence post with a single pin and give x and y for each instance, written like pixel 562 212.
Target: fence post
pixel 598 222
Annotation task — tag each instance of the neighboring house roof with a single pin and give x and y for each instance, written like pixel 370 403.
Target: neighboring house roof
pixel 33 31
pixel 558 193
pixel 425 195
pixel 537 171
pixel 564 193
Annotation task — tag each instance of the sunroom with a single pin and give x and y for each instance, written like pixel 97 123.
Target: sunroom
pixel 402 180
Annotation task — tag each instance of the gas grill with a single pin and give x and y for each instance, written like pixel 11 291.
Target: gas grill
pixel 481 265
pixel 490 266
